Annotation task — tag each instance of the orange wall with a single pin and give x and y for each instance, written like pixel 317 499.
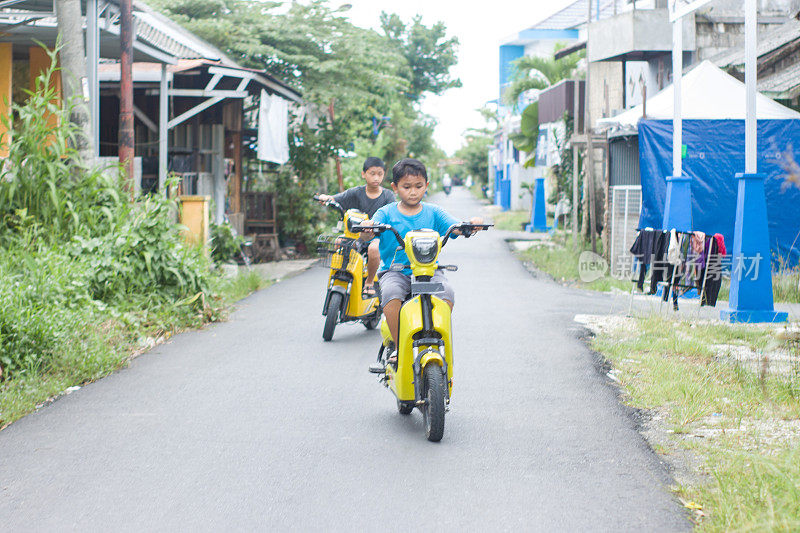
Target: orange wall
pixel 40 62
pixel 5 94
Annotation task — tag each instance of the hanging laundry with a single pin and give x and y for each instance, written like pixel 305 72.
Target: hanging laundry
pixel 711 281
pixel 645 248
pixel 720 244
pixel 698 242
pixel 659 261
pixel 674 250
pixel 642 248
pixel 273 129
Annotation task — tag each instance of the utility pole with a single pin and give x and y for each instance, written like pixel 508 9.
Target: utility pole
pixel 126 146
pixel 73 67
pixel 589 162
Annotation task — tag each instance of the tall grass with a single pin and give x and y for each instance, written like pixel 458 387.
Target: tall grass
pixel 86 273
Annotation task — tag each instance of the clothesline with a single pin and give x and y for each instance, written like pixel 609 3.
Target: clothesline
pixel 679 260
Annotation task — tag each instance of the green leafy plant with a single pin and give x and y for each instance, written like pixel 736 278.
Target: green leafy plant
pixel 525 140
pixel 38 177
pixel 225 244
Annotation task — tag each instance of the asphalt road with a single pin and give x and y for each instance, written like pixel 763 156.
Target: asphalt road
pixel 256 423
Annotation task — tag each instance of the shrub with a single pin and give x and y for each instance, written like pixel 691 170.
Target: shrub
pixel 44 306
pixel 225 244
pixel 143 254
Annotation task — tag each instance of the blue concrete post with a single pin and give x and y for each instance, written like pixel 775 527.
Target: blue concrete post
pixel 498 178
pixel 751 269
pixel 678 207
pixel 538 209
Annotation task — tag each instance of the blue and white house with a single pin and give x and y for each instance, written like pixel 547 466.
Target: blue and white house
pixel 566 26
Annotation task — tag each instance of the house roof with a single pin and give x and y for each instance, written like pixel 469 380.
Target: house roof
pixel 768 42
pixel 158 38
pixel 168 35
pixel 564 23
pixel 707 92
pixel 575 14
pixel 784 84
pixel 144 72
pixel 31 21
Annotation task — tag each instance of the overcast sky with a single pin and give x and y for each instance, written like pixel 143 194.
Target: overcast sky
pixel 480 31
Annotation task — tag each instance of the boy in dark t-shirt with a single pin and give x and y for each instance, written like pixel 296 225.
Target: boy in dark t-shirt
pixel 367 199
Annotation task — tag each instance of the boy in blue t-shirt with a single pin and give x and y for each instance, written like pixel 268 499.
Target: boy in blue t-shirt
pixel 409 182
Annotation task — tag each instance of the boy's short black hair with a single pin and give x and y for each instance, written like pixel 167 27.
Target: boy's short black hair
pixel 408 167
pixel 374 162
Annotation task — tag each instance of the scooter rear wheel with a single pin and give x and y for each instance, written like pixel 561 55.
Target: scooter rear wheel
pixel 434 408
pixel 332 316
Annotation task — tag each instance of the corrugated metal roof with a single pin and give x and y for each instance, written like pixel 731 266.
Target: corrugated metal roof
pixel 166 34
pixel 767 42
pixel 575 14
pixel 784 84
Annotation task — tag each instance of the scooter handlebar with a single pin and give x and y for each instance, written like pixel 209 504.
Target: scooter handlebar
pixel 333 204
pixel 378 229
pixel 467 229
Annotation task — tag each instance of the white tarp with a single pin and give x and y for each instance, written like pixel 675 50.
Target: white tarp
pixel 707 92
pixel 273 129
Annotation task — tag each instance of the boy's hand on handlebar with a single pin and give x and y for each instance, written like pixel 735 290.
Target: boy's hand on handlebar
pixel 468 232
pixel 365 229
pixel 322 198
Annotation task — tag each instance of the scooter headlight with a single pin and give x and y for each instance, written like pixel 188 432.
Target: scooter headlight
pixel 425 249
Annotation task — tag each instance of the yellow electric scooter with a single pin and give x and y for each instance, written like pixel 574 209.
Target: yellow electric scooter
pixel 421 374
pixel 344 254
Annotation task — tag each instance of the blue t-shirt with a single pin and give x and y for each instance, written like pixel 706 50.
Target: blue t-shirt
pixel 430 217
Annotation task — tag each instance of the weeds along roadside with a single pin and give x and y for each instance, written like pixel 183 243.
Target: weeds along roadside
pixel 89 277
pixel 727 395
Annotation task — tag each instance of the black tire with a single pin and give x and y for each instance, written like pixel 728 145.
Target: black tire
pixel 433 393
pixel 405 408
pixel 372 323
pixel 332 316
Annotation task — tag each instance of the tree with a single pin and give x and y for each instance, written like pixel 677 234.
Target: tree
pixel 428 52
pixel 73 68
pixel 475 156
pixel 528 135
pixel 535 72
pixel 365 75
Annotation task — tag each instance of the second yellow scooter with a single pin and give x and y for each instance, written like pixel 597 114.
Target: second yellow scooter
pixel 343 253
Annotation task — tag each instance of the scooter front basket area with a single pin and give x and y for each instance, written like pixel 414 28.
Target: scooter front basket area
pixel 334 248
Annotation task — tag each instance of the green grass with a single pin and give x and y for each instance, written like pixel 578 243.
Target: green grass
pixel 477 192
pixel 105 341
pixel 515 220
pixel 752 483
pixel 561 261
pixel 785 287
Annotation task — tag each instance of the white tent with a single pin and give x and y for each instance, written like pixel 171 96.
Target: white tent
pixel 708 93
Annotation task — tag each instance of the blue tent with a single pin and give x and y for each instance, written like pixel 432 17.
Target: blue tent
pixel 714 154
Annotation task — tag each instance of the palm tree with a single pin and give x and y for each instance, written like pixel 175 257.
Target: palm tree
pixel 534 72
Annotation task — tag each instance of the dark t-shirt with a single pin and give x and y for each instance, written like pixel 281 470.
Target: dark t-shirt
pixel 356 198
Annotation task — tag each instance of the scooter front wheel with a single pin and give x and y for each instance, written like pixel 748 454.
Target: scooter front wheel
pixel 332 316
pixel 434 408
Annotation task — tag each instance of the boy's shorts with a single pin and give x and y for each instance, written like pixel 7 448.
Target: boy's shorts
pixel 397 286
